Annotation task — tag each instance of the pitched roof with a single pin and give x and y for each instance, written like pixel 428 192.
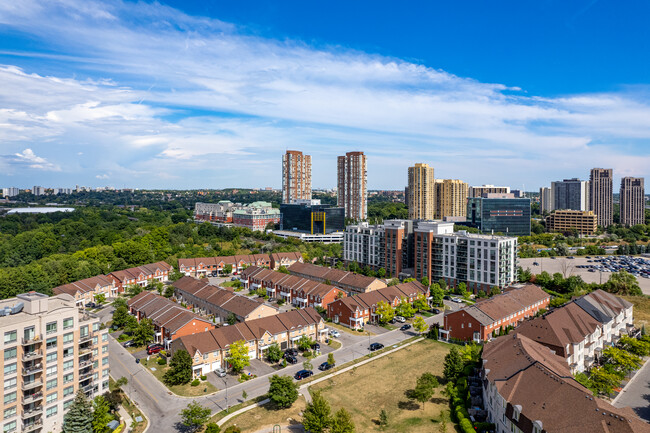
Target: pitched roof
pixel 163 312
pixel 145 270
pixel 509 302
pixel 84 286
pixel 333 275
pixel 369 300
pixel 602 306
pixel 278 257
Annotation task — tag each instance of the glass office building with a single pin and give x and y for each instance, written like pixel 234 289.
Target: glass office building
pixel 310 216
pixel 510 216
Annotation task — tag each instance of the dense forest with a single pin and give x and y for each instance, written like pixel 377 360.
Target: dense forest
pixel 42 251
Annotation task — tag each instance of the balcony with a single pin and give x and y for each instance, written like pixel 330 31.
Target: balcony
pixel 84 364
pixel 33 426
pixel 32 412
pixel 85 338
pixel 32 385
pixel 83 351
pixel 85 375
pixel 32 398
pixel 33 369
pixel 32 340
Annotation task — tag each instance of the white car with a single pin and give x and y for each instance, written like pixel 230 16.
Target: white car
pixel 334 333
pixel 400 319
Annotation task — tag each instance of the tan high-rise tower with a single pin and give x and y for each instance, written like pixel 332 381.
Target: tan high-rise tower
pixel 601 195
pixel 352 185
pixel 450 198
pixel 296 176
pixel 420 200
pixel 632 197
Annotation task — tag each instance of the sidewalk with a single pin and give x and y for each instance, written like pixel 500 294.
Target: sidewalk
pixel 126 417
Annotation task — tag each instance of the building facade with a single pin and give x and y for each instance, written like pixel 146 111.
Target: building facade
pixel 10 192
pixel 632 201
pixel 309 216
pixel 450 198
pixel 344 280
pixel 480 191
pixel 51 350
pixel 141 275
pixel 420 197
pixel 601 195
pixel 256 216
pixel 365 244
pixel 584 222
pixel 570 194
pixel 545 200
pixel 400 246
pixel 352 192
pixel 84 291
pixel 509 216
pixel 296 176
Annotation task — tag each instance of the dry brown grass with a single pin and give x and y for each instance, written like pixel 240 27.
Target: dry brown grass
pixel 382 384
pixel 264 416
pixel 641 310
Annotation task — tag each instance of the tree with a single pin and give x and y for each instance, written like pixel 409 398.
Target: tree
pixel 603 381
pixel 283 392
pixel 421 303
pixel 144 332
pixel 495 291
pixel 453 364
pixel 169 291
pixel 101 415
pixel 119 383
pixel 212 427
pixel 342 422
pixel 383 419
pixel 442 283
pixel 623 283
pixel 274 353
pixel 120 302
pixel 227 269
pixel 317 416
pixel 231 319
pixel 621 360
pixel 423 392
pixel 120 316
pixel 428 379
pixel 437 294
pixel 238 356
pixel 634 346
pixel 244 395
pixel 444 419
pixel 385 312
pixel 420 325
pixel 194 416
pixel 381 273
pixel 330 358
pixel 304 342
pixel 306 365
pixel 133 290
pixel 131 325
pixel 100 298
pixel 79 418
pixel 180 369
pixel 425 282
pixel 283 269
pixel 405 309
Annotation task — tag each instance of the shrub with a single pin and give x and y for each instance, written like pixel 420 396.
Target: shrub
pixel 204 377
pixel 162 361
pixel 232 429
pixel 306 353
pixel 163 353
pixel 196 382
pixel 360 330
pixel 466 426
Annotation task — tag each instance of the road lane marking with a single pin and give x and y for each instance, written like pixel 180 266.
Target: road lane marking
pixel 140 383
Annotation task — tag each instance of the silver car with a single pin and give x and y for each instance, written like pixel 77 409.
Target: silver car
pixel 220 372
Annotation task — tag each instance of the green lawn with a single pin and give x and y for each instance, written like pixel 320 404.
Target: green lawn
pixel 186 390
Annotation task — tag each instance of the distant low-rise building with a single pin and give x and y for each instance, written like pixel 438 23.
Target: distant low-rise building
pixel 583 222
pixel 285 259
pixel 84 291
pixel 202 266
pixel 141 275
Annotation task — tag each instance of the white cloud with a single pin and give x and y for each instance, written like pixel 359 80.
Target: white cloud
pixel 27 158
pixel 102 176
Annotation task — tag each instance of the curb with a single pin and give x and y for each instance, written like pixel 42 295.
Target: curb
pixel 139 408
pixel 242 410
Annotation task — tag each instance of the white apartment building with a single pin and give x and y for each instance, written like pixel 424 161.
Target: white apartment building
pixel 365 244
pixel 51 350
pixel 10 192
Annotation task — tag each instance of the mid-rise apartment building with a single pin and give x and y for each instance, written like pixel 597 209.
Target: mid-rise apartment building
pixel 352 192
pixel 51 350
pixel 38 190
pixel 10 192
pixel 219 212
pixel 509 215
pixel 601 195
pixel 256 216
pixel 400 246
pixel 450 197
pixel 480 191
pixel 545 200
pixel 570 194
pixel 583 222
pixel 420 197
pixel 632 200
pixel 296 176
pixel 365 243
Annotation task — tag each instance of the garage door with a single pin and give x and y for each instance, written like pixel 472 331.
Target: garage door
pixel 252 354
pixel 215 365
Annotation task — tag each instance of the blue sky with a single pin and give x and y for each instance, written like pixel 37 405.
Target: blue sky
pixel 200 94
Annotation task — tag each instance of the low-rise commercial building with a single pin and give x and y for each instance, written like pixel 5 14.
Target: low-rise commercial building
pixel 51 351
pixel 583 222
pixel 478 322
pixel 310 216
pixel 209 350
pixel 347 281
pixel 256 216
pixel 498 214
pixel 84 291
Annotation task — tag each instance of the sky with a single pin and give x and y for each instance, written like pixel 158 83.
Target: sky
pixel 195 94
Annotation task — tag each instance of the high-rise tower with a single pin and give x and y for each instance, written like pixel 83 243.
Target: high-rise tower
pixel 632 197
pixel 296 176
pixel 352 185
pixel 601 195
pixel 420 200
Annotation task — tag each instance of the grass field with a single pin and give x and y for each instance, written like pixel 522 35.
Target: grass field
pixel 383 384
pixel 641 310
pixel 265 416
pixel 186 390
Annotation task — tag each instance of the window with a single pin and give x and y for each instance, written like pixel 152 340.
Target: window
pixel 68 338
pixel 68 323
pixel 50 343
pixel 10 397
pixel 10 412
pixel 51 357
pixel 105 349
pixel 83 331
pixel 11 353
pixel 51 397
pixel 10 426
pixel 105 337
pixel 67 378
pixel 11 336
pixel 51 411
pixel 105 373
pixel 52 383
pixel 50 328
pixel 68 352
pixel 10 383
pixel 51 371
pixel 10 368
pixel 95 341
pixel 67 365
pixel 95 326
pixel 67 391
pixel 68 403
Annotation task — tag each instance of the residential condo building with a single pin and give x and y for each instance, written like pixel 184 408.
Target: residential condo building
pixel 601 195
pixel 420 197
pixel 296 176
pixel 10 192
pixel 545 200
pixel 632 201
pixel 570 194
pixel 450 197
pixel 480 191
pixel 352 193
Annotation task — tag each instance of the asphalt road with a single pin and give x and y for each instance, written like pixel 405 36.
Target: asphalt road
pixel 163 408
pixel 637 393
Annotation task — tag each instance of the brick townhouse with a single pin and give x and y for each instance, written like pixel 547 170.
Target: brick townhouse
pixel 170 320
pixel 477 322
pixel 201 266
pixel 285 259
pixel 209 350
pixel 84 291
pixel 298 291
pixel 141 275
pixel 582 328
pixel 528 388
pixel 357 310
pixel 349 281
pixel 220 302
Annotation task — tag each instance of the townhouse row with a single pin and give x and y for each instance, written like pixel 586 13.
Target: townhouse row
pixel 210 350
pixel 220 302
pixel 84 291
pixel 170 320
pixel 479 321
pixel 355 311
pixel 298 291
pixel 202 266
pixel 344 280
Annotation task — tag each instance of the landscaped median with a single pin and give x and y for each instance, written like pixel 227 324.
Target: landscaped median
pixel 202 387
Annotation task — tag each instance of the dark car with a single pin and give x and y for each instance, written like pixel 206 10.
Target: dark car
pixel 214 274
pixel 325 366
pixel 375 346
pixel 315 346
pixel 154 348
pixel 405 327
pixel 290 358
pixel 128 343
pixel 447 297
pixel 90 305
pixel 292 351
pixel 303 374
pixel 435 311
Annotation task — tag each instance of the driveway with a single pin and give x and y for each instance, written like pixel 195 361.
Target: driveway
pixel 636 393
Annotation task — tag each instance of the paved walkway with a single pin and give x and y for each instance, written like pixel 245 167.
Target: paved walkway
pixel 636 393
pixel 126 417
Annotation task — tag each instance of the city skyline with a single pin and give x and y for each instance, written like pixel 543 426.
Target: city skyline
pixel 147 96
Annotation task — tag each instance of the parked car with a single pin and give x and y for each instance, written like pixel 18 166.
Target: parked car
pixel 325 366
pixel 154 348
pixel 405 327
pixel 447 297
pixel 292 351
pixel 128 343
pixel 214 274
pixel 435 311
pixel 303 374
pixel 315 346
pixel 290 358
pixel 334 333
pixel 400 319
pixel 220 372
pixel 535 264
pixel 234 278
pixel 375 346
pixel 90 305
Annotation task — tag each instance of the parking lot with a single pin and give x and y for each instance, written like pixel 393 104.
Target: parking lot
pixel 591 269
